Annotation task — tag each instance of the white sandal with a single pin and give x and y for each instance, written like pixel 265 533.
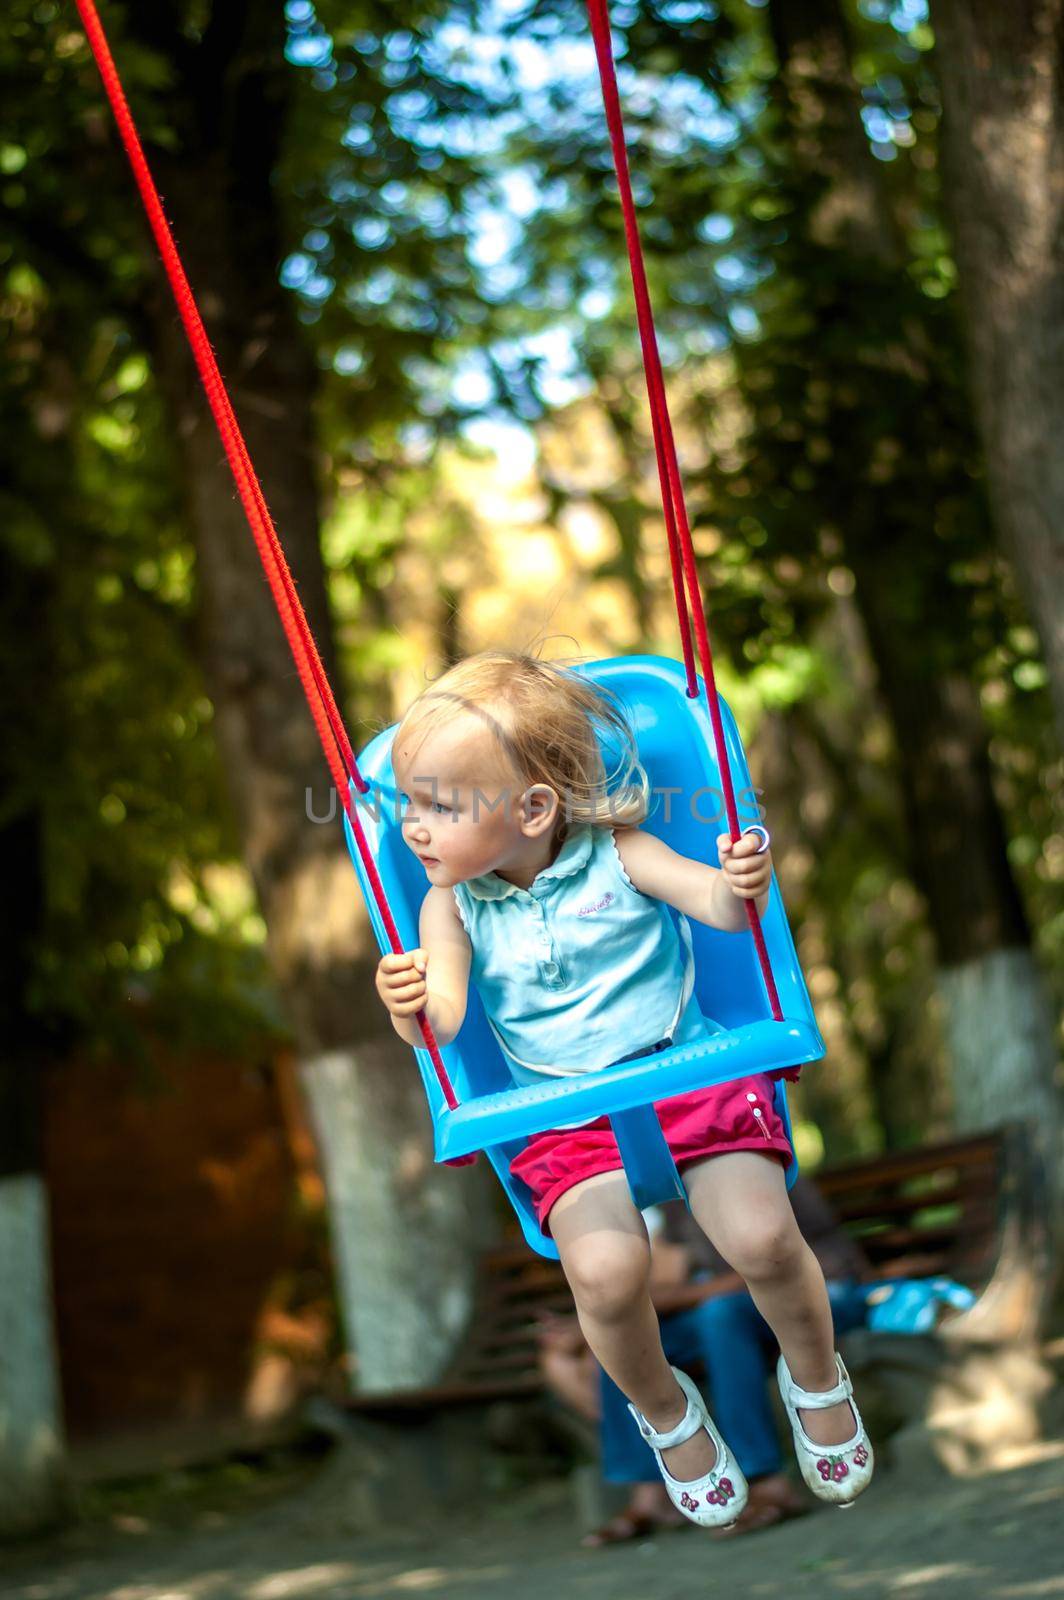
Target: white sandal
pixel 719 1498
pixel 837 1473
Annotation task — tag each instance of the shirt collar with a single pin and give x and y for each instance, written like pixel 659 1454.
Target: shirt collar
pixel 570 858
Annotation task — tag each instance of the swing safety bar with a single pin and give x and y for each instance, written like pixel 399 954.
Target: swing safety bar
pixel 626 1094
pixel 515 1113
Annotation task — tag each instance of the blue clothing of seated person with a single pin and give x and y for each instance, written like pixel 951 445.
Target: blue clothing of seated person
pixel 727 1334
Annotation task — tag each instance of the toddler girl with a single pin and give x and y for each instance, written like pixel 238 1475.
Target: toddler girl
pixel 545 891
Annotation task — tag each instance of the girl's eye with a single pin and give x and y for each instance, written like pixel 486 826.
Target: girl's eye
pixel 433 805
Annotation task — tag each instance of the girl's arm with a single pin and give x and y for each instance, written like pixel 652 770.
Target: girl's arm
pixel 405 983
pixel 713 895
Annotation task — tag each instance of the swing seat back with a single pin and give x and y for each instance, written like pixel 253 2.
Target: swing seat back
pixel 675 745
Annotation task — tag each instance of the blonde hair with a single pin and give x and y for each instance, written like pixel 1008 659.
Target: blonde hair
pixel 545 719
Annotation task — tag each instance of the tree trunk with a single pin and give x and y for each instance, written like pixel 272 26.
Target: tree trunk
pixel 1001 71
pixel 954 830
pixel 32 1488
pixel 403 1229
pixel 996 1015
pixel 821 107
pixel 32 1492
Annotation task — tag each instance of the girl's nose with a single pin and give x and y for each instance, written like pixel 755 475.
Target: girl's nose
pixel 414 826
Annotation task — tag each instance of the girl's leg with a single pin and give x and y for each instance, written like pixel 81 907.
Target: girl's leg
pixel 736 1348
pixel 605 1252
pixel 684 1337
pixel 740 1202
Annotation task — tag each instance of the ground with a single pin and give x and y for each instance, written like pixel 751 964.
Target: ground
pixel 990 1538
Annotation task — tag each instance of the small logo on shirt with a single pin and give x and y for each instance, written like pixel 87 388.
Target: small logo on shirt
pixel 597 905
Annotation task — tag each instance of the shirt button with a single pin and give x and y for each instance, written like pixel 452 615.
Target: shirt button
pixel 550 969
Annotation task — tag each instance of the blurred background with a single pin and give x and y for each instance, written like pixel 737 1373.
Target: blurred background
pixel 217 1196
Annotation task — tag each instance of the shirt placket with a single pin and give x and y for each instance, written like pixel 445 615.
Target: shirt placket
pixel 550 967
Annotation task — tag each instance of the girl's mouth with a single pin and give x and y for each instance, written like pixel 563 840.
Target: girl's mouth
pixel 429 861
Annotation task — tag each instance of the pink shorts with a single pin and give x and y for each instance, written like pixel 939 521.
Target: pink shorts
pixel 701 1123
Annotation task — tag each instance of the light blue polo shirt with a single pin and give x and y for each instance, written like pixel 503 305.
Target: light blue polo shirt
pixel 581 967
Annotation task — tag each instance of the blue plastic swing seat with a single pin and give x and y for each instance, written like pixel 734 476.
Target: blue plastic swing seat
pixel 675 742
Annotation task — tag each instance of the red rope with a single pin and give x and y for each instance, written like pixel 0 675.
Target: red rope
pixel 327 719
pixel 676 520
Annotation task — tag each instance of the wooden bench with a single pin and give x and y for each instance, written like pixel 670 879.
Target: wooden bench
pixel 964 1208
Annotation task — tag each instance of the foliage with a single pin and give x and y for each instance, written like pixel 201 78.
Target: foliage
pixel 829 430
pixel 144 895
pixel 115 751
pixel 450 232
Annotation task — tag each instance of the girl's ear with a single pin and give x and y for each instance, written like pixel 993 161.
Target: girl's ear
pixel 539 810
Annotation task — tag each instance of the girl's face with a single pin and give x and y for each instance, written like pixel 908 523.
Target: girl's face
pixel 463 809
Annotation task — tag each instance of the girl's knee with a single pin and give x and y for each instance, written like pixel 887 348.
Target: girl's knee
pixel 766 1247
pixel 607 1280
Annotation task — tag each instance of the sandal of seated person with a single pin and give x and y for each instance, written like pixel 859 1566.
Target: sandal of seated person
pixel 715 1500
pixel 628 1525
pixel 837 1473
pixel 767 1507
pixel 751 1520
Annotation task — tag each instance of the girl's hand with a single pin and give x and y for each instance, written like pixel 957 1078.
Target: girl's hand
pixel 746 873
pixel 401 982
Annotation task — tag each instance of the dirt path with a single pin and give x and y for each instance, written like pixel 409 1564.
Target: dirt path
pixel 994 1538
